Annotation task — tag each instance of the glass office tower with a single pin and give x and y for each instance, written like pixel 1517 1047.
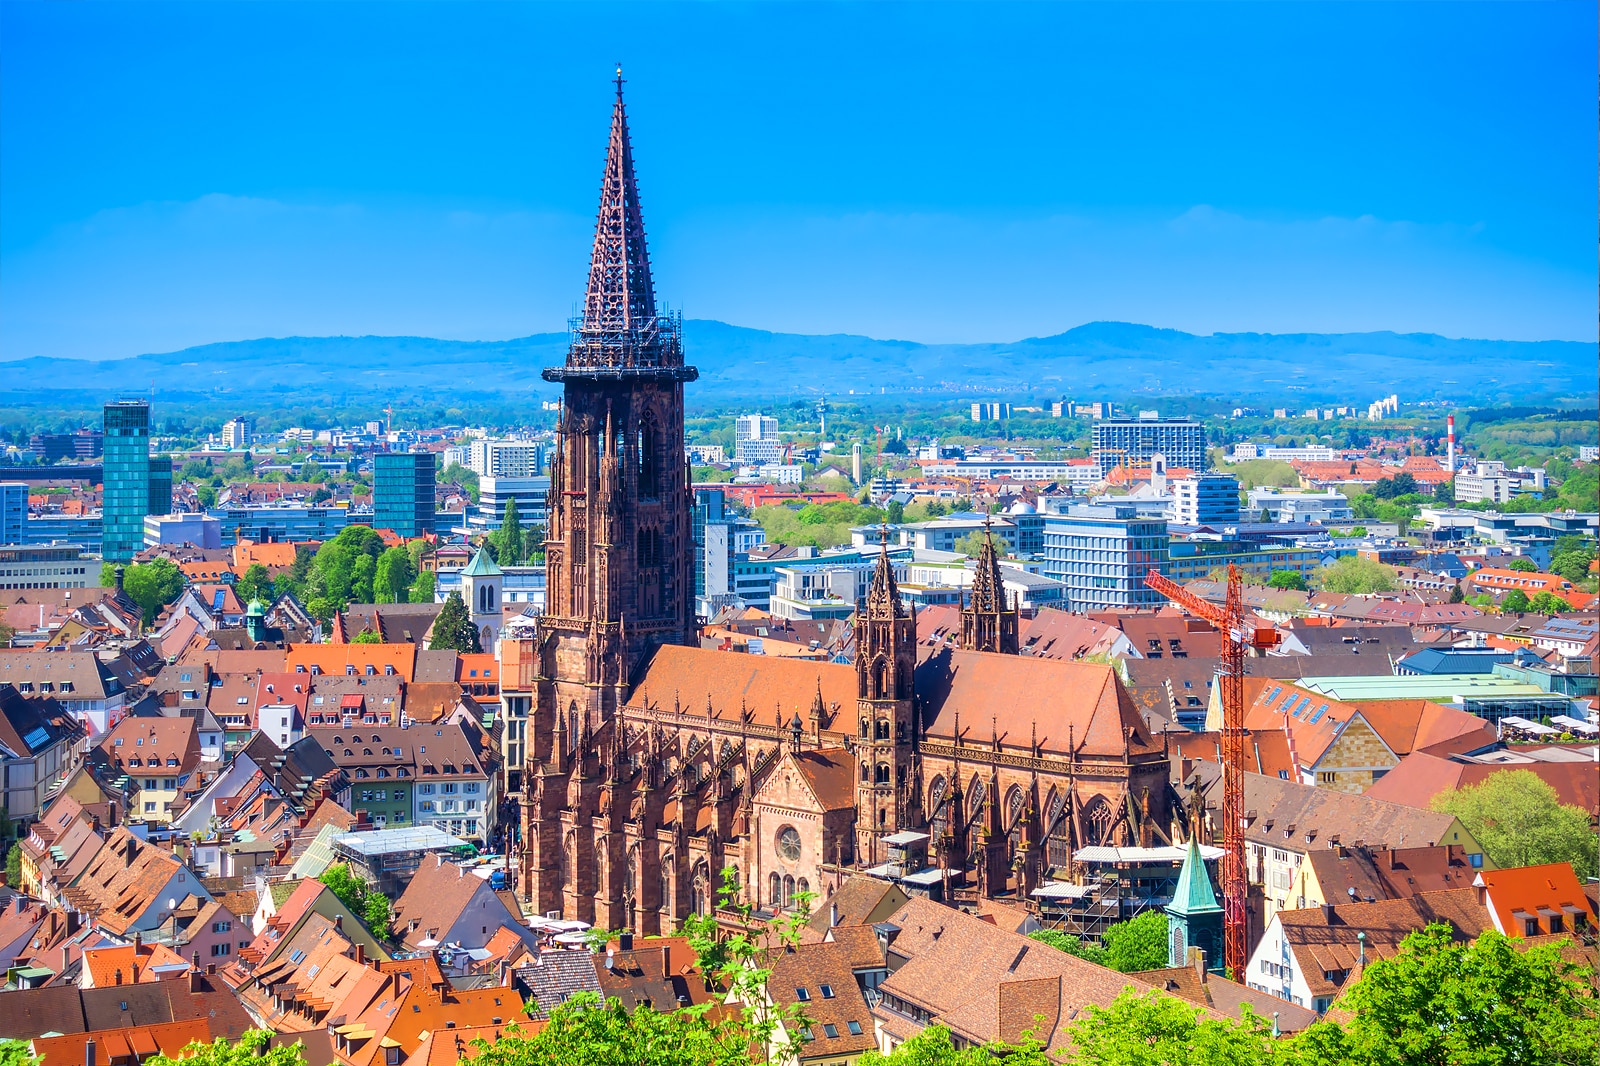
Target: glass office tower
pixel 402 492
pixel 127 479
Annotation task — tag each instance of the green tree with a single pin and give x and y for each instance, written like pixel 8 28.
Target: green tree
pixel 1456 595
pixel 366 636
pixel 1520 821
pixel 14 865
pixel 1162 1030
pixel 378 912
pixel 1352 573
pixel 895 512
pixel 508 538
pixel 254 584
pixel 972 544
pixel 1437 1002
pixel 336 573
pixel 363 574
pixel 351 890
pixel 251 1049
pixel 453 627
pixel 16 1053
pixel 153 585
pixel 1523 564
pixel 392 580
pixel 1572 559
pixel 1515 601
pixel 108 575
pixel 1071 944
pixel 1289 580
pixel 422 588
pixel 1138 943
pixel 1548 603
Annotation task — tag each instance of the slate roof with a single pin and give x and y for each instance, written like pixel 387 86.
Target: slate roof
pixel 554 976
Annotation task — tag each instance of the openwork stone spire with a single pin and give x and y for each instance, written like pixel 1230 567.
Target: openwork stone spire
pixel 883 598
pixel 987 624
pixel 620 328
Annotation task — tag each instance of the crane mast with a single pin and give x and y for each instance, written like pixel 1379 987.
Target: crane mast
pixel 1229 620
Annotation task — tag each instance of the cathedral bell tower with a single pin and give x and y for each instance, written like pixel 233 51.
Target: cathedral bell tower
pixel 886 744
pixel 618 538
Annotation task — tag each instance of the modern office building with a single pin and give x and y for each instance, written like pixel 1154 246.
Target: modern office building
pixel 489 457
pixel 127 479
pixel 46 566
pixel 530 493
pixel 1133 441
pixel 755 440
pixel 280 523
pixel 1101 553
pixel 721 538
pixel 200 530
pixel 1205 500
pixel 13 512
pixel 1270 505
pixel 160 485
pixel 402 492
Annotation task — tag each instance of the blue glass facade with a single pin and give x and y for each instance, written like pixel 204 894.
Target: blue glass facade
pixel 402 492
pixel 1102 554
pixel 127 479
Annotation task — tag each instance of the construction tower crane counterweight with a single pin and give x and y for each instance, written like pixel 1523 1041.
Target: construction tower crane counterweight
pixel 1235 638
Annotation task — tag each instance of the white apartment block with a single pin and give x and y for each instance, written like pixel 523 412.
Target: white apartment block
pixel 505 458
pixel 755 440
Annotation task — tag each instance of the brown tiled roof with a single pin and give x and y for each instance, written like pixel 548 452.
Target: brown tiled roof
pixel 1266 750
pixel 769 688
pixel 1053 634
pixel 1018 695
pixel 67 1009
pixel 1298 817
pixel 117 890
pixel 956 965
pixel 164 739
pixel 831 997
pixel 831 774
pixel 89 677
pixel 1377 874
pixel 1421 776
pixel 860 944
pixel 439 893
pixel 1227 997
pixel 1324 939
pixel 860 900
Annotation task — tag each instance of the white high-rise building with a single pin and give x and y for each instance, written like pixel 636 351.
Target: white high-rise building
pixel 505 458
pixel 238 433
pixel 755 440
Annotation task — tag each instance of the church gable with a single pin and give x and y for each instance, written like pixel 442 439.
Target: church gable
pixel 822 780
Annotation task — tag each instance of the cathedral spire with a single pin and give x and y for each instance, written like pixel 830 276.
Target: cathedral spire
pixel 987 623
pixel 620 304
pixel 988 587
pixel 883 597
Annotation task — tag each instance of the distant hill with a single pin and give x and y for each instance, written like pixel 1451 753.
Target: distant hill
pixel 1115 359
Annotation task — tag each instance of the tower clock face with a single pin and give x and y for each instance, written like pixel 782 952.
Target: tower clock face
pixel 789 843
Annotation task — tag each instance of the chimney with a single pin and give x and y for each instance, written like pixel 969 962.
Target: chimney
pixel 1327 912
pixel 338 923
pixel 211 969
pixel 196 962
pixel 138 941
pixel 625 941
pixel 1199 955
pixel 196 980
pixel 361 954
pixel 66 957
pixel 1393 862
pixel 833 915
pixel 666 960
pixel 88 1045
pixel 116 978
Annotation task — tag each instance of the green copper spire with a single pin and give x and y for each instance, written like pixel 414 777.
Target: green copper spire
pixel 1194 895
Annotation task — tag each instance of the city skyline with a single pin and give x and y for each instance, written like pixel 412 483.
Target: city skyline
pixel 1194 168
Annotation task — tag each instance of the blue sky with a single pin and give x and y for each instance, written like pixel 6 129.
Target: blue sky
pixel 178 174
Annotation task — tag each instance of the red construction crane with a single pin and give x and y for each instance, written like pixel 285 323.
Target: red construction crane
pixel 1235 638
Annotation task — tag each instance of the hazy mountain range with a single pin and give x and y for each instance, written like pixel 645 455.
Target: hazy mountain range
pixel 1112 359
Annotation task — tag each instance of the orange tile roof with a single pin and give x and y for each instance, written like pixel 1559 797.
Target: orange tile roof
pixel 1534 893
pixel 694 678
pixel 335 658
pixel 133 964
pixel 114 1045
pixel 275 555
